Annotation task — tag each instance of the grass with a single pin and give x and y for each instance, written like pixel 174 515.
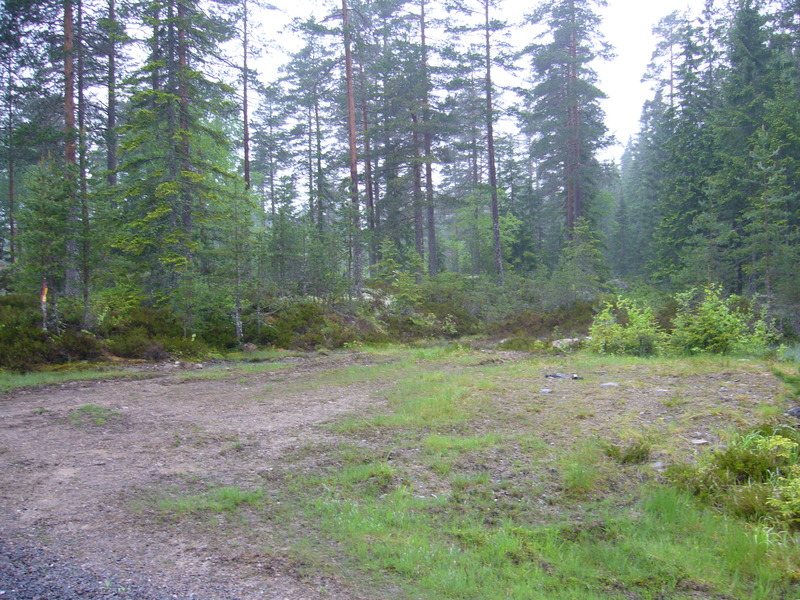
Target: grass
pixel 91 413
pixel 12 381
pixel 225 499
pixel 571 520
pixel 664 546
pixel 463 482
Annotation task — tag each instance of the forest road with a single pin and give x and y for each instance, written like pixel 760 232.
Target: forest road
pixel 81 464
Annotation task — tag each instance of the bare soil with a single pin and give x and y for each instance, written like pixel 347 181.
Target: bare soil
pixel 67 483
pixel 78 488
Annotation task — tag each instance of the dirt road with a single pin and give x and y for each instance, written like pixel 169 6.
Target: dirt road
pixel 74 458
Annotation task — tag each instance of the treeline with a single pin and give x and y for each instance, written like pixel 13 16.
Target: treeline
pixel 709 188
pixel 147 165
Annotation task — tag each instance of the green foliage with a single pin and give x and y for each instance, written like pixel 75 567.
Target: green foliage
pixel 570 320
pixel 116 307
pixel 709 322
pixel 757 476
pixel 623 327
pixel 226 499
pixel 25 346
pixel 580 272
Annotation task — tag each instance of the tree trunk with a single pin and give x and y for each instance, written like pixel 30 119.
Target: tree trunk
pixel 368 180
pixel 433 265
pixel 498 251
pixel 111 124
pixel 83 164
pixel 11 191
pixel 183 95
pixel 416 196
pixel 351 134
pixel 72 280
pixel 245 116
pixel 572 170
pixel 320 179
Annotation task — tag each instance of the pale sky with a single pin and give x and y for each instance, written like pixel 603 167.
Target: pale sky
pixel 627 26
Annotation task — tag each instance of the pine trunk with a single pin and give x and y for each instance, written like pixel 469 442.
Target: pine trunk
pixel 111 124
pixel 351 134
pixel 498 251
pixel 245 108
pixel 433 265
pixel 72 281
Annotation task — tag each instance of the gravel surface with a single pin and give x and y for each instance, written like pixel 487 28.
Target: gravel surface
pixel 34 573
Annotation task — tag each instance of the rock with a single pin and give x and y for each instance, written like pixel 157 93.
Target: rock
pixel 700 442
pixel 567 343
pixel 657 465
pixel 793 412
pixel 546 391
pixel 557 376
pixel 249 348
pixel 609 384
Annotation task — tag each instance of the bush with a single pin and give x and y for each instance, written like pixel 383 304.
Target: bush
pixel 756 477
pixel 71 346
pixel 149 322
pixel 622 327
pixel 23 344
pixel 130 344
pixel 571 321
pixel 708 322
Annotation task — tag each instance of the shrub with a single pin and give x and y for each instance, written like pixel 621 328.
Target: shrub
pixel 179 347
pixel 622 327
pixel 71 346
pixel 708 322
pixel 785 499
pixel 757 476
pixel 23 344
pixel 130 344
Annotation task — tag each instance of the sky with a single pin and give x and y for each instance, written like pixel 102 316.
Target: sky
pixel 627 26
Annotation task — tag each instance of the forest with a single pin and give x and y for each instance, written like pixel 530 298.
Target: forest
pixel 161 196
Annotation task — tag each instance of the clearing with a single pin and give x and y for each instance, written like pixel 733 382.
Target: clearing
pixel 268 480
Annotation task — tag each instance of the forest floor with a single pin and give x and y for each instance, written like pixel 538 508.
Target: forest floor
pixel 128 478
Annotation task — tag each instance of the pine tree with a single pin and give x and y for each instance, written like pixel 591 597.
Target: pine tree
pixel 175 166
pixel 563 116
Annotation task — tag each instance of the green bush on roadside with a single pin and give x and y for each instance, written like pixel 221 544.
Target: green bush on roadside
pixel 623 327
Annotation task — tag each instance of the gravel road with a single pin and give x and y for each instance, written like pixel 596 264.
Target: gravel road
pixel 34 573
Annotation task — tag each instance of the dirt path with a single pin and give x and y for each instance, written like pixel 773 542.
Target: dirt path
pixel 66 482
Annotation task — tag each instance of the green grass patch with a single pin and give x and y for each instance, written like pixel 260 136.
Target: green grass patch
pixel 12 381
pixel 665 546
pixel 225 499
pixel 438 519
pixel 583 468
pixel 93 414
